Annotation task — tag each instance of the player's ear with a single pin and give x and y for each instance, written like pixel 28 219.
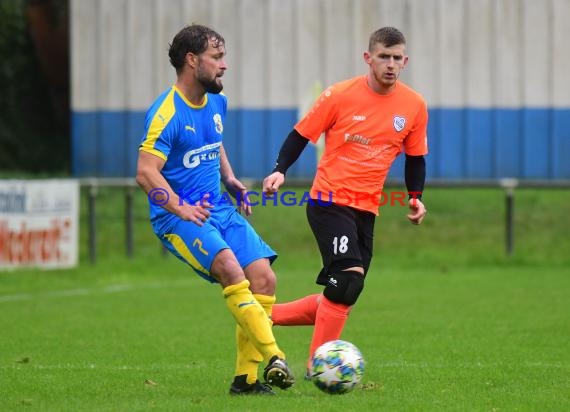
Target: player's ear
pixel 367 57
pixel 191 59
pixel 405 62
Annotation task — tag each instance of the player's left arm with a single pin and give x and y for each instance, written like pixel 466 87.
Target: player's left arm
pixel 415 175
pixel 232 184
pixel 415 167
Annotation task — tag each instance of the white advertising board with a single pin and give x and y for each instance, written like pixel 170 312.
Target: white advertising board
pixel 39 222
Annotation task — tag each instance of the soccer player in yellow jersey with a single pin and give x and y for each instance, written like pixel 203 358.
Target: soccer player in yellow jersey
pixel 180 166
pixel 367 121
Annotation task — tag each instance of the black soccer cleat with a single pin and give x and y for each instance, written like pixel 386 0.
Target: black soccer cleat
pixel 241 387
pixel 277 373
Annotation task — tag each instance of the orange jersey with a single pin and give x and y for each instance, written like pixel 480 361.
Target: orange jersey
pixel 364 132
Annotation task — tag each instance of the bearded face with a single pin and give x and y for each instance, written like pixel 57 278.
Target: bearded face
pixel 211 67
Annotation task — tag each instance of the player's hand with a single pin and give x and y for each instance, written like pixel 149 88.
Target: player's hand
pixel 198 213
pixel 244 203
pixel 273 182
pixel 238 190
pixel 417 211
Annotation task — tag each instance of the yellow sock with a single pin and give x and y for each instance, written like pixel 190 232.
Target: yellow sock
pixel 249 314
pixel 248 357
pixel 266 303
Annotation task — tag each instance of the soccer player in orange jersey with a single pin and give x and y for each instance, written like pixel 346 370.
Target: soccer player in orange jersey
pixel 367 121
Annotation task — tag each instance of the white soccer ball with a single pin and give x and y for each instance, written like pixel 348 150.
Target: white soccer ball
pixel 337 367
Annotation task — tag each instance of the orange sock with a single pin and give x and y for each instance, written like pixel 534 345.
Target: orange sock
pixel 329 322
pixel 296 313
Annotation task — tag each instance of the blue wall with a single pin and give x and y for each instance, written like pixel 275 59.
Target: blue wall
pixel 464 143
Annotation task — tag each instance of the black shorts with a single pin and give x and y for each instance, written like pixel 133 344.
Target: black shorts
pixel 344 235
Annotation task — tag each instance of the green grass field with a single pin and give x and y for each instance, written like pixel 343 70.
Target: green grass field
pixel 446 321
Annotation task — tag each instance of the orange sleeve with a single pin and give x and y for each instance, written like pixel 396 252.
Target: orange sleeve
pixel 320 118
pixel 415 143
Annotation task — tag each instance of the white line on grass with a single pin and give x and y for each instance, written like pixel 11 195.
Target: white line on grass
pixel 12 298
pixel 69 366
pixel 71 292
pixel 197 365
pixel 467 365
pixel 118 288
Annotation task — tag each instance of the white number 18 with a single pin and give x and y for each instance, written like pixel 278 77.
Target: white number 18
pixel 340 246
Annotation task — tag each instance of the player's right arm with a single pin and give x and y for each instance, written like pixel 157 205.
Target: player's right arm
pixel 292 148
pixel 151 180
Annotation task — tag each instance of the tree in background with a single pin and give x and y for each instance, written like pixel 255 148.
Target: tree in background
pixel 34 86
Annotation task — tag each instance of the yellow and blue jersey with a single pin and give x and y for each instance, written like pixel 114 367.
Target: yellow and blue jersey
pixel 188 138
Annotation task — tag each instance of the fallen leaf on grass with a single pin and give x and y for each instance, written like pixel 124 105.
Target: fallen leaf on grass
pixel 370 386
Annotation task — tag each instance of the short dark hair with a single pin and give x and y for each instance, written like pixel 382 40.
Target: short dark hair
pixel 191 39
pixel 388 36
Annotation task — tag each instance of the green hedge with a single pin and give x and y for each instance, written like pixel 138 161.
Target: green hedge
pixel 34 129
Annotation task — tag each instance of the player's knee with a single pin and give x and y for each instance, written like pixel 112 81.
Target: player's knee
pixel 263 283
pixel 344 287
pixel 261 277
pixel 226 269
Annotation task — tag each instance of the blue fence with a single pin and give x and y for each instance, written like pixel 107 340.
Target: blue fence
pixel 464 143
